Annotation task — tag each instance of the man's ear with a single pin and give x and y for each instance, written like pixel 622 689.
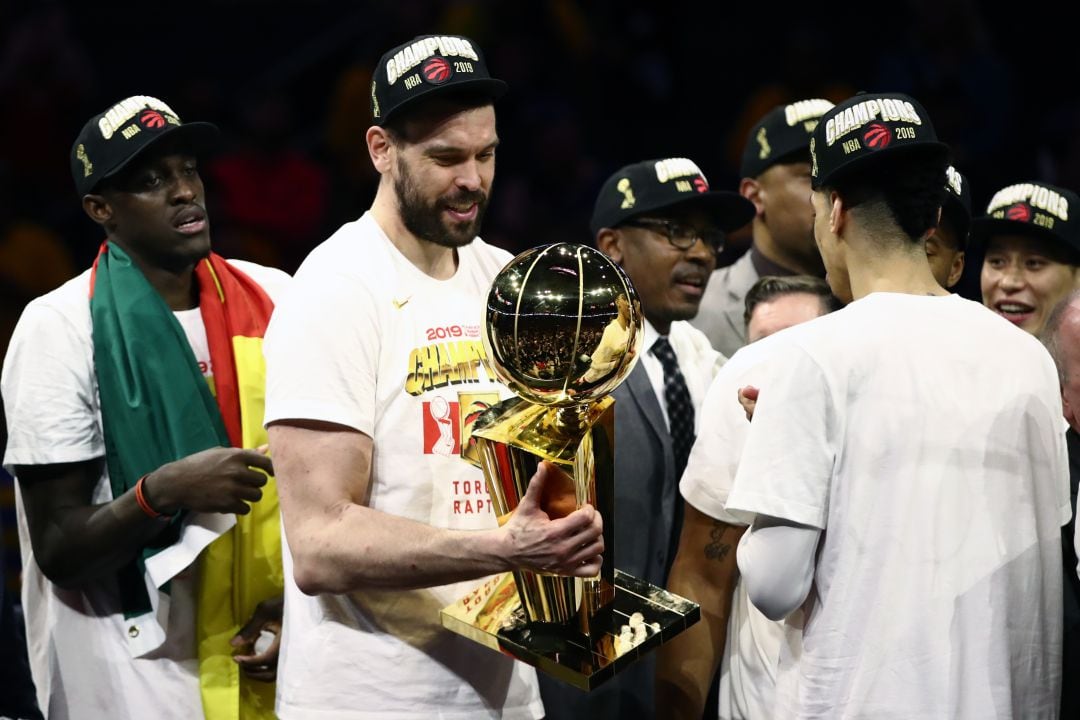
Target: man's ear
pixel 957 269
pixel 838 213
pixel 98 208
pixel 381 148
pixel 609 242
pixel 751 189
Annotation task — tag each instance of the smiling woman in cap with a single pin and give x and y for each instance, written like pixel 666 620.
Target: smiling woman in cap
pixel 1032 251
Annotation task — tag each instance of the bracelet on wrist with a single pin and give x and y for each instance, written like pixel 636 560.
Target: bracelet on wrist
pixel 140 498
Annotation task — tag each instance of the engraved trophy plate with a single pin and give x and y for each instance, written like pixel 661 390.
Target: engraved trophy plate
pixel 562 327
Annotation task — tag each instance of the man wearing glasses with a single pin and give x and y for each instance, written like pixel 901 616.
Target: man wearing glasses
pixel 659 221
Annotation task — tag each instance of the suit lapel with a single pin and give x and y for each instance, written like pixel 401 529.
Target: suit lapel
pixel 642 391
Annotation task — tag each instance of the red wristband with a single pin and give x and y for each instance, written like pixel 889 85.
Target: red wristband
pixel 141 500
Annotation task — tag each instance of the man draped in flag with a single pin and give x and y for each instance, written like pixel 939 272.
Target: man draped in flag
pixel 134 392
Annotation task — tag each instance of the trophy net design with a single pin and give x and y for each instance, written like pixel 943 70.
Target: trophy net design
pixel 562 329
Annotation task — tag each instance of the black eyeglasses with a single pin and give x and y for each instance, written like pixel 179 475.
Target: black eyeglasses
pixel 679 235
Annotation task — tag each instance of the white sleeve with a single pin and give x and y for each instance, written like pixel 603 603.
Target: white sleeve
pixel 776 561
pixel 787 463
pixel 722 431
pixel 322 351
pixel 49 393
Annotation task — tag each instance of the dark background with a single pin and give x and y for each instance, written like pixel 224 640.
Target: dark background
pixel 594 85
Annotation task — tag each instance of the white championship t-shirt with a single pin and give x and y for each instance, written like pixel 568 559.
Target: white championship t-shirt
pixel 752 648
pixel 367 340
pixel 87 661
pixel 923 435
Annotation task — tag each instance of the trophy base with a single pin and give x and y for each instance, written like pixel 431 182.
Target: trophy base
pixel 493 616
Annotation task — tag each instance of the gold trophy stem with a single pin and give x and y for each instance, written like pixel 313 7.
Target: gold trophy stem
pixel 577 440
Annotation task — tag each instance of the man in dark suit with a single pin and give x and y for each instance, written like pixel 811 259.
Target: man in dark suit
pixel 658 220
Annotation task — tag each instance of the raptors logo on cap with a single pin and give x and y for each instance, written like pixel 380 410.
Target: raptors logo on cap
pixel 1020 212
pixel 437 70
pixel 877 136
pixel 152 119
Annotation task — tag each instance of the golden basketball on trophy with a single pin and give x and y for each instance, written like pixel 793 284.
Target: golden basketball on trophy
pixel 562 328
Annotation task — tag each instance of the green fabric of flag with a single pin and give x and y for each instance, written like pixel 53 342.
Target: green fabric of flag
pixel 156 406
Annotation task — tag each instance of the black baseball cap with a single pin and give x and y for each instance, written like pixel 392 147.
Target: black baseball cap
pixel 426 66
pixel 957 205
pixel 864 128
pixel 782 132
pixel 661 184
pixel 1037 209
pixel 110 140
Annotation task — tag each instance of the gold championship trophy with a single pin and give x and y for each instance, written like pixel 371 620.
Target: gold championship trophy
pixel 562 328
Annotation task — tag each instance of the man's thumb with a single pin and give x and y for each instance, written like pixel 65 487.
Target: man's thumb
pixel 535 491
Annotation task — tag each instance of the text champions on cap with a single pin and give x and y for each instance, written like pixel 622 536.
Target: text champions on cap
pixel 1037 196
pixel 854 117
pixel 126 109
pixel 676 168
pixel 412 55
pixel 803 110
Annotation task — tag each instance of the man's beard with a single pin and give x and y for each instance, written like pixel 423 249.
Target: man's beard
pixel 425 220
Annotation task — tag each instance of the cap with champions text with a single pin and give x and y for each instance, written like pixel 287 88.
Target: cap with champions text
pixel 1031 208
pixel 662 184
pixel 782 132
pixel 110 140
pixel 426 66
pixel 863 128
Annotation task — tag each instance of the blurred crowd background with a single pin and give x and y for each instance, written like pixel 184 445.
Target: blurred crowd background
pixel 594 86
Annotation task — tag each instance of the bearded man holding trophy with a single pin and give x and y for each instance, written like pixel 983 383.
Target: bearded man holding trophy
pixel 657 221
pixel 374 367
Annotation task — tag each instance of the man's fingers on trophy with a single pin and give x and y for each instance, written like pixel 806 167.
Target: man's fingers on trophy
pixel 588 568
pixel 587 553
pixel 583 546
pixel 583 522
pixel 588 514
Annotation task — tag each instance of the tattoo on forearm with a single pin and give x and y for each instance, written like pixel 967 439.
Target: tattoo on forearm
pixel 716 548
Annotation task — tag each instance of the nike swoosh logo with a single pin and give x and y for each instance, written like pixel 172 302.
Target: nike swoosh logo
pixel 398 304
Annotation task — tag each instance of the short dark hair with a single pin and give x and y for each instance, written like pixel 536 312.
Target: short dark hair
pixel 960 223
pixel 770 287
pixel 907 188
pixel 464 99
